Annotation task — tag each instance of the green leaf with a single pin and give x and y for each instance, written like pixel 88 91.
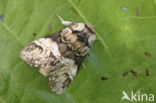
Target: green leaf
pixel 126 29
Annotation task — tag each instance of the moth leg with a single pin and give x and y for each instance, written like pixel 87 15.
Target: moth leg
pixel 84 66
pixel 67 23
pixel 90 53
pixel 45 71
pixel 51 27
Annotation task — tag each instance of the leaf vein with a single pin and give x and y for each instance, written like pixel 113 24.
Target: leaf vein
pixel 5 26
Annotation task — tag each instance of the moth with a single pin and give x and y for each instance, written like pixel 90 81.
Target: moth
pixel 60 55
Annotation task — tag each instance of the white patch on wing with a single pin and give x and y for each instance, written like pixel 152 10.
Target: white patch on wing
pixel 46 44
pixel 67 30
pixel 55 50
pixel 72 67
pixel 79 27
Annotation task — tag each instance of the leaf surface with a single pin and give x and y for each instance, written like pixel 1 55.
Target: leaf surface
pixel 126 30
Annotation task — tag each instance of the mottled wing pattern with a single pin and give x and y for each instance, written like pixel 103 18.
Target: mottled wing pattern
pixel 41 53
pixel 60 55
pixel 62 75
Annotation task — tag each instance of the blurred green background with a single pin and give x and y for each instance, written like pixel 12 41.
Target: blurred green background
pixel 123 59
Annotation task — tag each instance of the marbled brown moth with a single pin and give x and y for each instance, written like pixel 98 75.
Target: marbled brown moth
pixel 60 55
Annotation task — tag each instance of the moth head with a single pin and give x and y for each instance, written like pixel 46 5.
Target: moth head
pixel 84 31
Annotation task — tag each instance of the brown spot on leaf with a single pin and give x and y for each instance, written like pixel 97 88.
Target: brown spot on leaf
pixel 104 78
pixel 137 11
pixel 134 73
pixel 125 74
pixel 147 72
pixel 147 54
pixel 50 27
pixel 34 34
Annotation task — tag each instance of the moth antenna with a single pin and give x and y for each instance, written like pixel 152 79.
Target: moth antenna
pixel 84 66
pixel 67 23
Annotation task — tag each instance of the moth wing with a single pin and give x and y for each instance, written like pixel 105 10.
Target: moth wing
pixel 62 75
pixel 41 53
